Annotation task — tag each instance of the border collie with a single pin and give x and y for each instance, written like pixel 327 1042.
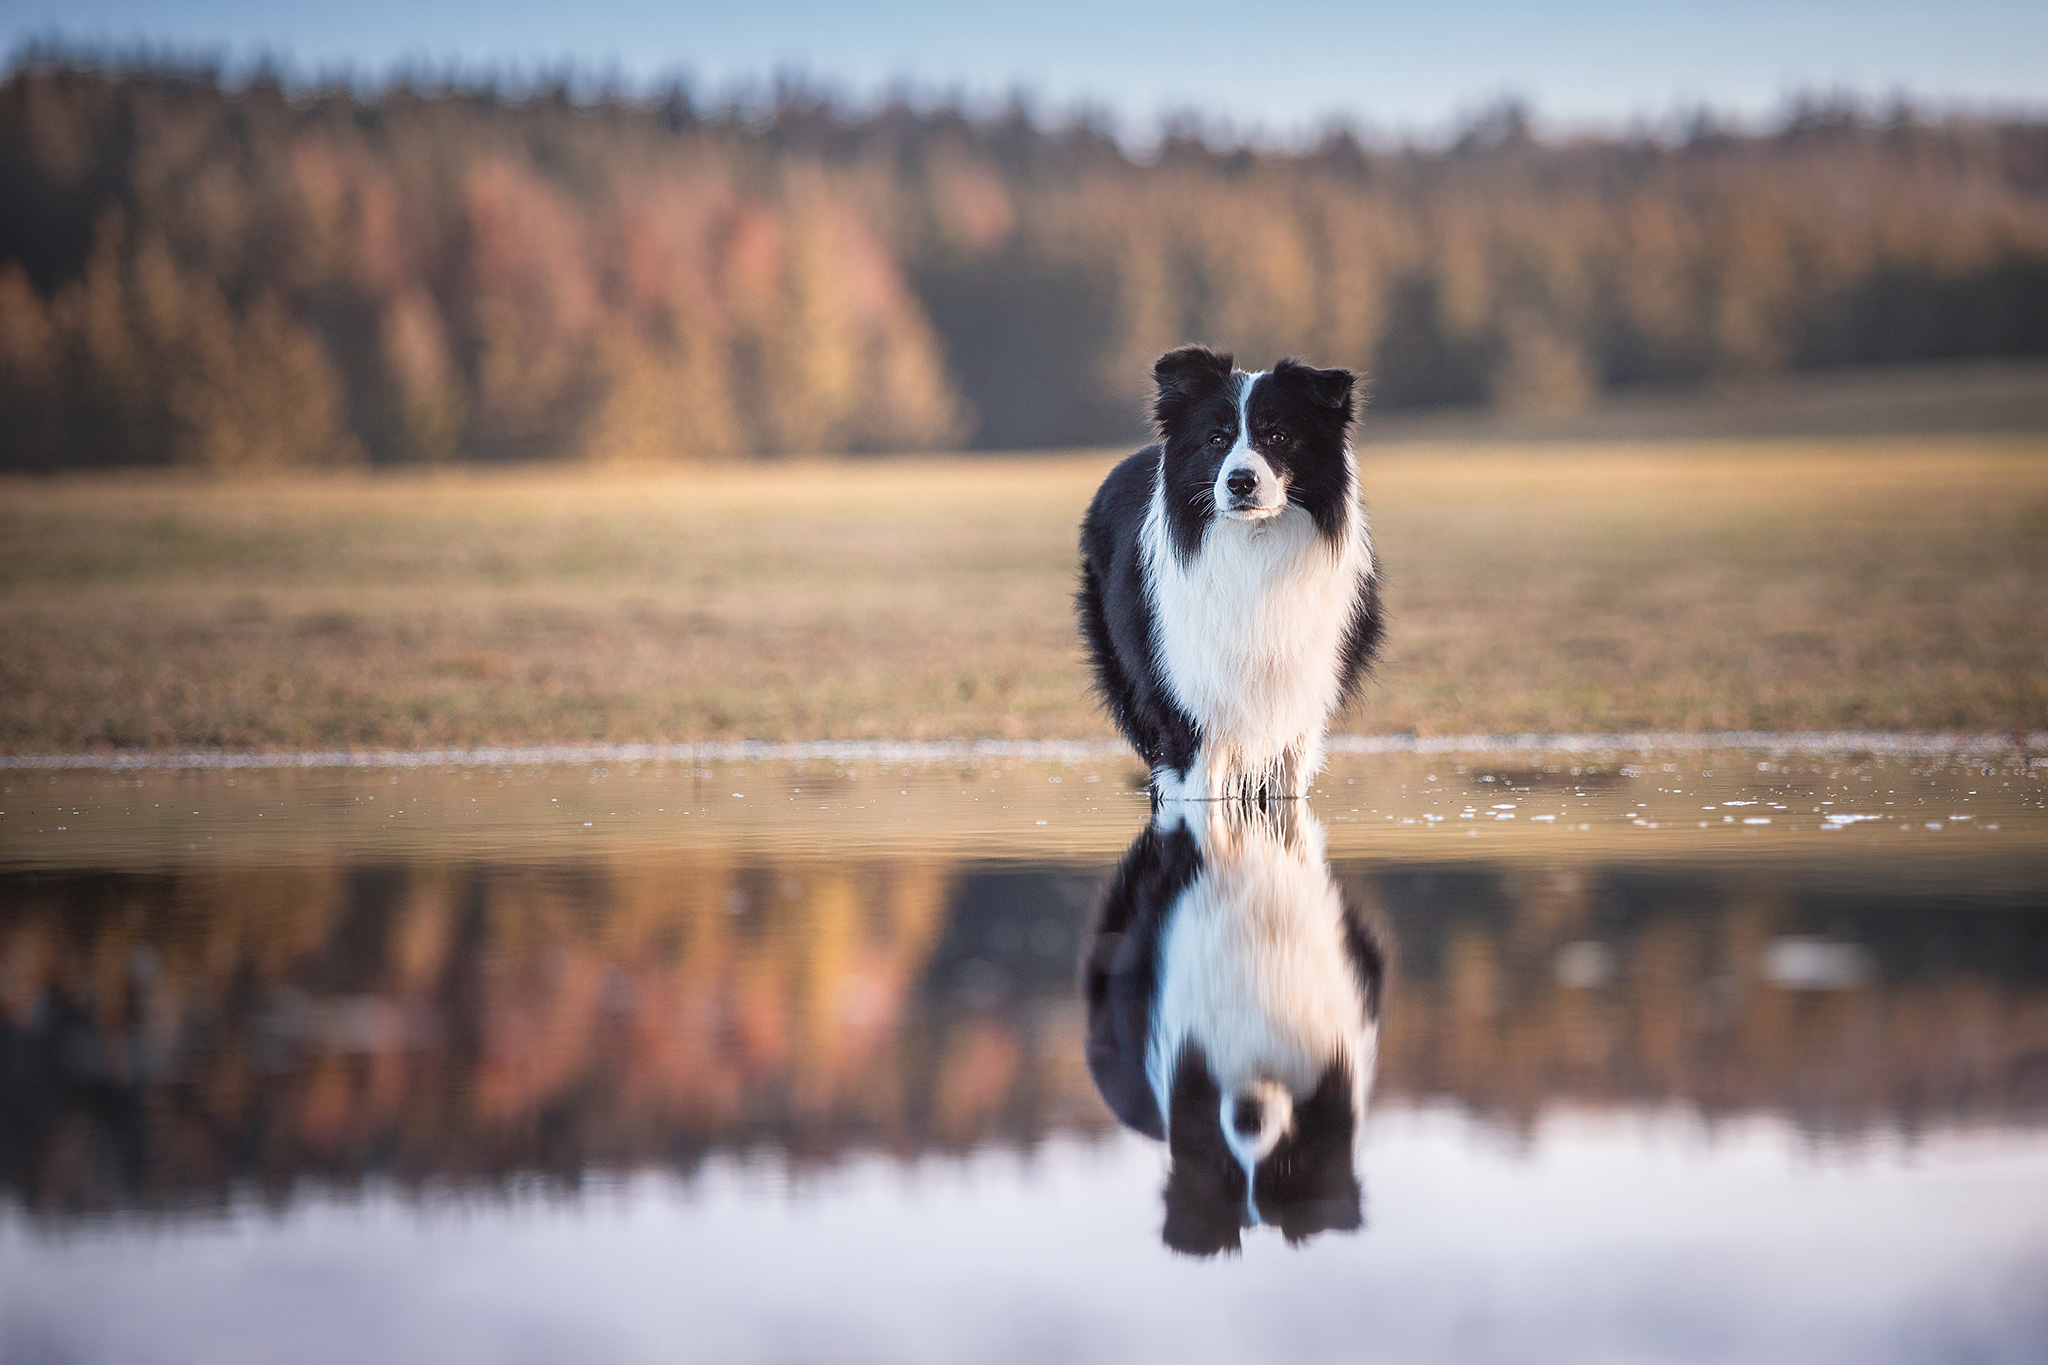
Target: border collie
pixel 1228 594
pixel 1233 1011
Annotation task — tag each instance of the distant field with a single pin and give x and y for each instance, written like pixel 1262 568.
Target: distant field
pixel 1900 584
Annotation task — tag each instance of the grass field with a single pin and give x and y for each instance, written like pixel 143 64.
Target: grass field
pixel 1769 585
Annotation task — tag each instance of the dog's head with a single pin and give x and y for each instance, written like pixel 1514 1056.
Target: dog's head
pixel 1247 446
pixel 1259 1156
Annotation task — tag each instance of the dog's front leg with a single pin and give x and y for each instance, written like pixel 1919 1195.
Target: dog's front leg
pixel 1196 782
pixel 1299 764
pixel 1225 778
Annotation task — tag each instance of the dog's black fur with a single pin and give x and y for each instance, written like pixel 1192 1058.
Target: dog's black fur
pixel 1298 421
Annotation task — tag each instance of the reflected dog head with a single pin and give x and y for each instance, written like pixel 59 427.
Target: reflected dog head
pixel 1233 1005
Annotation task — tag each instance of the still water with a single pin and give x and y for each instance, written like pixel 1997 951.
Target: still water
pixel 1723 1055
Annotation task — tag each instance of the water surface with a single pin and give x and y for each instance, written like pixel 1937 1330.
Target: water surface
pixel 1707 1056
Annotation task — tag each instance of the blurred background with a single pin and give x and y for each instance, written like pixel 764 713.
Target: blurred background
pixel 234 240
pixel 650 374
pixel 437 440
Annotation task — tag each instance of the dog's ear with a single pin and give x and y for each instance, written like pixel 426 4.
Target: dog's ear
pixel 1205 1187
pixel 1183 375
pixel 1309 1185
pixel 1198 1223
pixel 1326 388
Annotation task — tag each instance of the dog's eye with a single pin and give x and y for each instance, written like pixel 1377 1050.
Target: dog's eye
pixel 1217 438
pixel 1277 439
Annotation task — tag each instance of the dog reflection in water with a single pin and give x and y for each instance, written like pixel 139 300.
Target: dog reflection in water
pixel 1233 1011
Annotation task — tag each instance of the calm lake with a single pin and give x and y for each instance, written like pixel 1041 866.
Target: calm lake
pixel 1700 1056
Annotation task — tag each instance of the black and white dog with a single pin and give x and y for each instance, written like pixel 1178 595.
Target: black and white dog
pixel 1233 1011
pixel 1228 594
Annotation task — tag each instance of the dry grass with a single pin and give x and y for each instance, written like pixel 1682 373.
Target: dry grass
pixel 1748 585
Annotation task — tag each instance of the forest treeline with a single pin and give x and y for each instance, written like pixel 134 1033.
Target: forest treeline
pixel 236 275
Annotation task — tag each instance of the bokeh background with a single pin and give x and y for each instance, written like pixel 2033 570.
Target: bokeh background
pixel 519 337
pixel 382 384
pixel 219 270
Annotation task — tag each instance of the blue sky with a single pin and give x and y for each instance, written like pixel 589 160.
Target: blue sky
pixel 1281 69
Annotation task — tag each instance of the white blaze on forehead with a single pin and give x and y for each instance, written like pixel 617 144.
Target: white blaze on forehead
pixel 1243 455
pixel 1244 408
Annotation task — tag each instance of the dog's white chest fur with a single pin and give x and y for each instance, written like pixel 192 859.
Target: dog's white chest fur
pixel 1253 968
pixel 1250 631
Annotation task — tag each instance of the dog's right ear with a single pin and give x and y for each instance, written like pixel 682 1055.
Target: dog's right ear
pixel 1184 375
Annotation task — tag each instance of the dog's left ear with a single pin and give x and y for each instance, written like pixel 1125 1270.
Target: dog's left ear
pixel 1309 1185
pixel 1326 388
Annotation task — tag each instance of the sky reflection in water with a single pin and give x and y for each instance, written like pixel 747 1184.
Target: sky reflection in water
pixel 520 1082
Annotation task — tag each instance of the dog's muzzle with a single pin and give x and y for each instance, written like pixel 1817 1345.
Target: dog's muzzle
pixel 1255 1119
pixel 1248 491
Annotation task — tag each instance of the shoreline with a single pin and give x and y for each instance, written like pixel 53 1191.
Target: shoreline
pixel 1892 743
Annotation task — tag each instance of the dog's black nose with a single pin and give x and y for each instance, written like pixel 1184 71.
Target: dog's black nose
pixel 1242 483
pixel 1247 1114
